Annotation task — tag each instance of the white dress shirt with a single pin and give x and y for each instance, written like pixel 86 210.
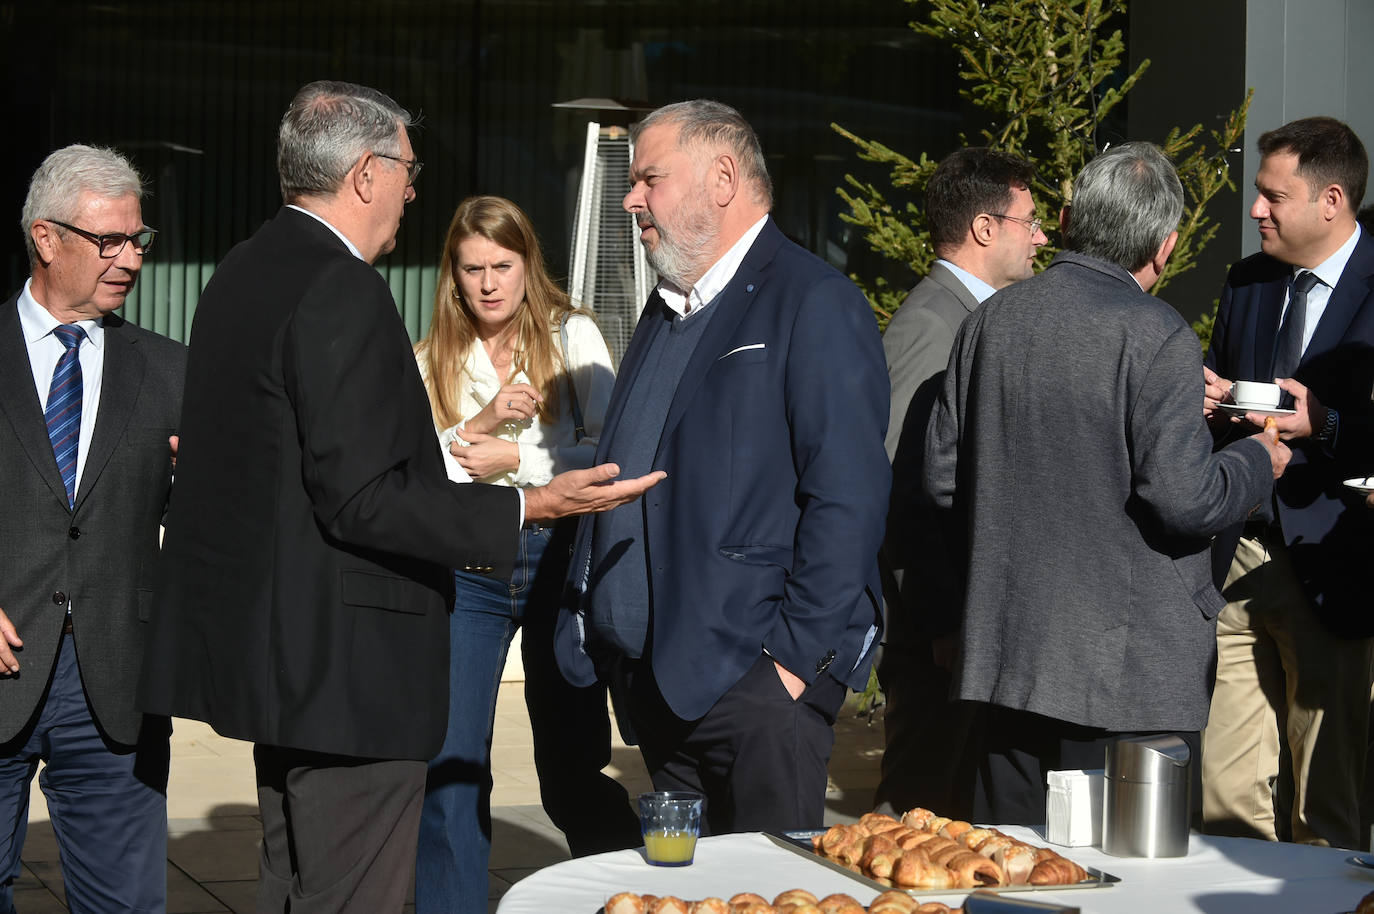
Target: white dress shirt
pixel 1329 272
pixel 976 287
pixel 45 349
pixel 713 280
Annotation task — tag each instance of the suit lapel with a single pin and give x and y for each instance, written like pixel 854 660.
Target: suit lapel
pixel 733 302
pixel 1352 290
pixel 119 383
pixel 19 400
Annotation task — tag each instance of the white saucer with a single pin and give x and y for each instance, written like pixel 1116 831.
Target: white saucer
pixel 1240 409
pixel 1364 485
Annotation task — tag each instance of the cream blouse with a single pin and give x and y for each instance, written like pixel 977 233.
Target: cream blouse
pixel 545 449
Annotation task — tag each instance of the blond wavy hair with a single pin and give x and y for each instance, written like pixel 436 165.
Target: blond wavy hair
pixel 453 331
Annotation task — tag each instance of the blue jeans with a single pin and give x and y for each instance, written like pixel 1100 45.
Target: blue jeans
pixel 455 825
pixel 570 726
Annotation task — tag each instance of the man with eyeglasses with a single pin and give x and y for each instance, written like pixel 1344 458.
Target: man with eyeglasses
pixel 303 593
pixel 1073 476
pixel 87 404
pixel 984 230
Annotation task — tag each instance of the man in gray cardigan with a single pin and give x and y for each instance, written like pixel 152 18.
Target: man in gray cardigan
pixel 985 232
pixel 1074 474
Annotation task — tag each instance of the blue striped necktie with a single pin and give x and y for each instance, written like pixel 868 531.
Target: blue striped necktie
pixel 64 407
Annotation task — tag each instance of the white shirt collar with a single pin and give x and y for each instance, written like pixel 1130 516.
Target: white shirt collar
pixel 325 222
pixel 976 287
pixel 37 322
pixel 1329 270
pixel 714 280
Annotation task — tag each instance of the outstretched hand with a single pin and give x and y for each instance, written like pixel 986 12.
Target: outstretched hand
pixel 586 492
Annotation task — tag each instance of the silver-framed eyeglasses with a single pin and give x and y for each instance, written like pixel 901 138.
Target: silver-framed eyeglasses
pixel 413 166
pixel 1033 224
pixel 111 244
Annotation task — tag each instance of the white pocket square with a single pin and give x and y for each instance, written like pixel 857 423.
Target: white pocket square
pixel 742 349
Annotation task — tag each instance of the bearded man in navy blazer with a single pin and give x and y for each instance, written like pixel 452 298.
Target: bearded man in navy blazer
pixel 732 608
pixel 1284 749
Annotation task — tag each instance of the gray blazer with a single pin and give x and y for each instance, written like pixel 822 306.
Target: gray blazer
pixel 918 339
pixel 101 553
pixel 1070 461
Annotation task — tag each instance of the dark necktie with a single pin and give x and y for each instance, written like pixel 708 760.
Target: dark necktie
pixel 1288 352
pixel 64 407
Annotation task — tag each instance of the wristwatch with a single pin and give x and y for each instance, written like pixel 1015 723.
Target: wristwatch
pixel 1328 429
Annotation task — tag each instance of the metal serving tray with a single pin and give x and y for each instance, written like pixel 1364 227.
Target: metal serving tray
pixel 799 842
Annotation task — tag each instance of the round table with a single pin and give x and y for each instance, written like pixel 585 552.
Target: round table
pixel 1219 876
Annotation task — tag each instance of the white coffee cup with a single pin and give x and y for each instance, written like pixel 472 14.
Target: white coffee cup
pixel 1259 394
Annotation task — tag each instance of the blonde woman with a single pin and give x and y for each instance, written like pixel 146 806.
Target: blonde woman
pixel 520 379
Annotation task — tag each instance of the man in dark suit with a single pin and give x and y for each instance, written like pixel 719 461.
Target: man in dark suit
pixel 984 230
pixel 303 591
pixel 1285 746
pixel 1070 460
pixel 733 607
pixel 87 404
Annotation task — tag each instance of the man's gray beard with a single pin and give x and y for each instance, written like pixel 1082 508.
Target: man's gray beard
pixel 676 260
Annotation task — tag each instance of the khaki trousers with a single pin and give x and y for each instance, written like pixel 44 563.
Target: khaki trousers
pixel 1284 750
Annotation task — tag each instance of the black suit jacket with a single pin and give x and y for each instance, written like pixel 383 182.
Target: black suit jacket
pixel 305 580
pixel 1327 528
pixel 100 553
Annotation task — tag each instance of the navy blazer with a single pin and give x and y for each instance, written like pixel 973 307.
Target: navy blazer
pixel 1326 527
pixel 765 534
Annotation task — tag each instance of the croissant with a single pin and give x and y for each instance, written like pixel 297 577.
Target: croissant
pixel 753 907
pixel 914 839
pixel 808 908
pixel 880 867
pixel 666 905
pixel 992 845
pixel 794 896
pixel 1016 862
pixel 892 902
pixel 836 836
pixel 625 903
pixel 707 906
pixel 839 903
pixel 973 870
pixel 1366 905
pixel 938 823
pixel 1056 870
pixel 877 844
pixel 975 836
pixel 918 819
pixel 955 829
pixel 877 823
pixel 917 870
pixel 744 898
pixel 935 907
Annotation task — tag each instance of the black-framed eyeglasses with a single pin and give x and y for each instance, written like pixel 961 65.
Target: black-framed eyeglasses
pixel 413 166
pixel 112 243
pixel 1033 224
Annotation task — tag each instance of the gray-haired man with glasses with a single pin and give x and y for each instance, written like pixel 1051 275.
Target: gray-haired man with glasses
pixel 87 403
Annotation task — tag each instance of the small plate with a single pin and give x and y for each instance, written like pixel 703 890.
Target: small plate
pixel 1238 409
pixel 1364 861
pixel 1364 485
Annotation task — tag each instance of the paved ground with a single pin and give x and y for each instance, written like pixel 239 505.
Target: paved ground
pixel 213 827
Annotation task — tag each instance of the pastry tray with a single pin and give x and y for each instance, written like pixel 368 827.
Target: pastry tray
pixel 799 842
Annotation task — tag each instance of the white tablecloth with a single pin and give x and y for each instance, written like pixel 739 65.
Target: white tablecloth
pixel 1219 876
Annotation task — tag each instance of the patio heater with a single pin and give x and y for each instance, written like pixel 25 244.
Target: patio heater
pixel 608 273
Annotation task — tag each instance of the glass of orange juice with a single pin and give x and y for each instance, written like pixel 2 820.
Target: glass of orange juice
pixel 670 821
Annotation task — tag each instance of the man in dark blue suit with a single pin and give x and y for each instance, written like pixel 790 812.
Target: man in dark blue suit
pixel 1291 703
pixel 732 609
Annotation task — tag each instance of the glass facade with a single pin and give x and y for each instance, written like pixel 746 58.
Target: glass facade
pixel 193 91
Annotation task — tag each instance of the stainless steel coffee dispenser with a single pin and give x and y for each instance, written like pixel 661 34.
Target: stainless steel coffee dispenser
pixel 1145 801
